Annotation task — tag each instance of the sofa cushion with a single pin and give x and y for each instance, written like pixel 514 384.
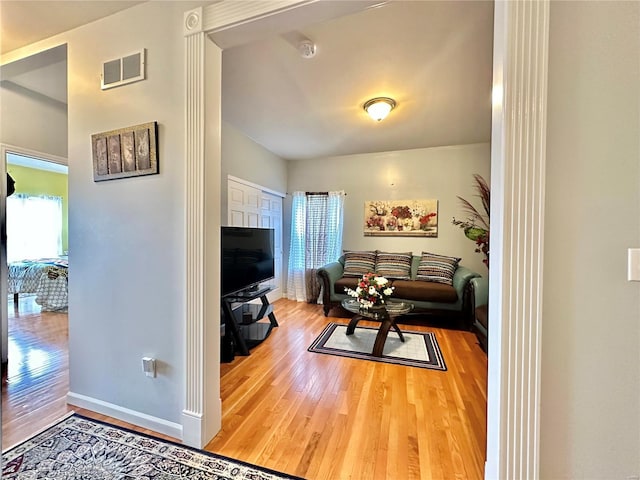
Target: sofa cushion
pixel 345 282
pixel 357 264
pixel 424 291
pixel 437 268
pixel 394 265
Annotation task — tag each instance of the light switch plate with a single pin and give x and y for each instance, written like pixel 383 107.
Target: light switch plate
pixel 633 266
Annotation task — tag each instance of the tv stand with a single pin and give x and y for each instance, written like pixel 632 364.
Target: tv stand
pixel 244 321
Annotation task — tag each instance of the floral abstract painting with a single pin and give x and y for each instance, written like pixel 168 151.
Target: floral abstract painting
pixel 413 218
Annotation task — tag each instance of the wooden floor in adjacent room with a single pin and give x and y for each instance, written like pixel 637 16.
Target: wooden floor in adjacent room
pixel 307 414
pixel 36 381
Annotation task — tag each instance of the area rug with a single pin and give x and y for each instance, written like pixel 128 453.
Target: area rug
pixel 420 349
pixel 81 448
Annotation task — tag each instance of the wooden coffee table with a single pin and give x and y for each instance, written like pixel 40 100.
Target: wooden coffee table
pixel 386 315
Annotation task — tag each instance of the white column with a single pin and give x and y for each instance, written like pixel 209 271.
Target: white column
pixel 517 222
pixel 199 422
pixel 202 413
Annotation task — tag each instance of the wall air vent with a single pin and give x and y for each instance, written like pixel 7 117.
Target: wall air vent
pixel 122 71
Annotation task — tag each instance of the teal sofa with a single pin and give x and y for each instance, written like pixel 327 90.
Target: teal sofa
pixel 451 301
pixel 479 295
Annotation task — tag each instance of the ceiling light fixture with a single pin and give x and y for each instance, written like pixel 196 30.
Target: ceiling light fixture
pixel 378 108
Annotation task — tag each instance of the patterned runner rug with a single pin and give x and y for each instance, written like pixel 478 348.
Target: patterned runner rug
pixel 81 448
pixel 420 349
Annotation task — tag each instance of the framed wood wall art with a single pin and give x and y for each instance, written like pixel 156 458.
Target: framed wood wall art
pixel 126 152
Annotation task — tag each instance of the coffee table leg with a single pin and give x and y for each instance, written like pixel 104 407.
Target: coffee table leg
pixel 397 329
pixel 378 346
pixel 383 333
pixel 352 324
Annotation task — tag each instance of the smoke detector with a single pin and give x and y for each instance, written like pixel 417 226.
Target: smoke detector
pixel 307 49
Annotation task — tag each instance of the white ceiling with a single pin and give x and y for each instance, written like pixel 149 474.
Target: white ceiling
pixel 24 22
pixel 43 76
pixel 434 58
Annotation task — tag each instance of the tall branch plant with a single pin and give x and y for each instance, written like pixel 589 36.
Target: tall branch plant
pixel 476 226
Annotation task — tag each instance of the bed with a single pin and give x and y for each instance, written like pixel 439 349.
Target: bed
pixel 47 278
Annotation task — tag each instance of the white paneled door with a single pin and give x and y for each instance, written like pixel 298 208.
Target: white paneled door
pixel 251 206
pixel 271 217
pixel 244 203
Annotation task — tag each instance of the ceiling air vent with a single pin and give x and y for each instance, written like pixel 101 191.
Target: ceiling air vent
pixel 122 71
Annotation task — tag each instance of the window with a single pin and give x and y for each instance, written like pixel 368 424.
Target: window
pixel 316 239
pixel 34 227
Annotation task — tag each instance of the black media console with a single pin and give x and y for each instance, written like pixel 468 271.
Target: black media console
pixel 244 321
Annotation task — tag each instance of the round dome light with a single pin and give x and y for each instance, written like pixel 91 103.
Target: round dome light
pixel 378 108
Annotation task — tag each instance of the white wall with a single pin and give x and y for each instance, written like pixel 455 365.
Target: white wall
pixel 126 237
pixel 442 173
pixel 32 121
pixel 248 160
pixel 590 422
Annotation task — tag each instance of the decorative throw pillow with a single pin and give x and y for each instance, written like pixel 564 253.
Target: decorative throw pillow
pixel 437 268
pixel 357 264
pixel 394 265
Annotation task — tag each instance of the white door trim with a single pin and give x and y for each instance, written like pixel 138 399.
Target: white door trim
pixel 202 406
pixel 27 152
pixel 4 271
pixel 255 185
pixel 518 156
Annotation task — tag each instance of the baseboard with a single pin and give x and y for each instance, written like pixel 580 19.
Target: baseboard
pixel 126 415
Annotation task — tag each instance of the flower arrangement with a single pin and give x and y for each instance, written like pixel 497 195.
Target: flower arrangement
pixel 375 222
pixel 401 211
pixel 424 220
pixel 371 291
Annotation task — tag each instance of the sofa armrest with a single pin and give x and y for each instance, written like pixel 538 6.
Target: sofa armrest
pixel 480 291
pixel 328 275
pixel 332 271
pixel 461 279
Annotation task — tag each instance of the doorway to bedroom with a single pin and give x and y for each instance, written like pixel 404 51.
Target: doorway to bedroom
pixel 33 260
pixel 36 286
pixel 37 230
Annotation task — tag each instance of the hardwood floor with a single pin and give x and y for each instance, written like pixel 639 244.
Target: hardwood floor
pixel 308 414
pixel 327 417
pixel 36 381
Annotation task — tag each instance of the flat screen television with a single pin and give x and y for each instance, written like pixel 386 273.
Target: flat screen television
pixel 247 258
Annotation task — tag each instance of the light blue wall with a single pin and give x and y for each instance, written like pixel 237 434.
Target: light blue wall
pixel 590 384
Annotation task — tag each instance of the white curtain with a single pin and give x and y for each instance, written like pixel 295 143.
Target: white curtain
pixel 316 239
pixel 34 227
pixel 296 289
pixel 335 223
